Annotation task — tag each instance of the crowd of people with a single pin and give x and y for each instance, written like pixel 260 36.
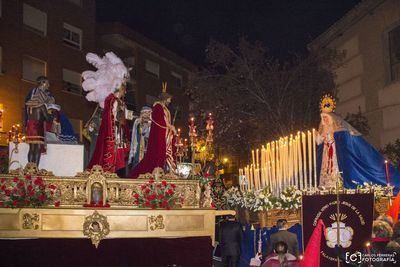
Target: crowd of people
pixel 385 238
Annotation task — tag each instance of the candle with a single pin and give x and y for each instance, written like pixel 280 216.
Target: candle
pixel 257 158
pixel 387 172
pixel 252 157
pixel 309 159
pixel 296 170
pixel 303 142
pixel 300 162
pixel 314 157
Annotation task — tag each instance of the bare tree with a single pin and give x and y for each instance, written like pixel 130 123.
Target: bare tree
pixel 256 97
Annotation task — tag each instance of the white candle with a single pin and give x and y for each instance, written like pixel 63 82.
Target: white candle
pixel 309 143
pixel 314 158
pixel 303 142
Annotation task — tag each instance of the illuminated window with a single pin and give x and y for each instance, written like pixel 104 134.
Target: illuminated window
pixel 35 20
pixel 153 68
pixel 394 53
pixel 72 36
pixel 32 68
pixel 72 82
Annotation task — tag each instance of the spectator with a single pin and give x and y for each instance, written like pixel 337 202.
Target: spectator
pixel 283 235
pixel 386 218
pixel 281 257
pixel 230 238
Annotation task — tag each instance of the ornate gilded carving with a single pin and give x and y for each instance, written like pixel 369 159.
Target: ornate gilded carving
pixel 96 186
pixel 97 170
pixel 31 169
pixel 96 228
pixel 76 191
pixel 30 221
pixel 156 222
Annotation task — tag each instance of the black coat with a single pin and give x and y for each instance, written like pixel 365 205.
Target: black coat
pixel 289 238
pixel 230 237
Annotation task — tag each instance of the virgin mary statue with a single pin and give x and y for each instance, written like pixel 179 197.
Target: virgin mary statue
pixel 343 152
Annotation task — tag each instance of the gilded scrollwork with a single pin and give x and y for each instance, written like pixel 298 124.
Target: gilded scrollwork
pixel 31 169
pixel 30 221
pixel 156 222
pixel 96 227
pixel 74 191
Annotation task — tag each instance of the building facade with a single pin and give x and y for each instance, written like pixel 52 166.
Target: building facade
pixel 151 65
pixel 37 38
pixel 369 77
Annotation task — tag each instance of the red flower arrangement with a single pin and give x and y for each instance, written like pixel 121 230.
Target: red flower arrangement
pixel 26 192
pixel 155 195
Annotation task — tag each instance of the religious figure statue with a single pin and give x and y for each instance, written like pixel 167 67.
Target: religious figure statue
pixel 140 136
pixel 161 147
pixel 107 86
pixel 36 114
pixel 343 153
pixel 91 129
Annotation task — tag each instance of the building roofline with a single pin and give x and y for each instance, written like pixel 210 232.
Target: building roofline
pixel 144 43
pixel 350 18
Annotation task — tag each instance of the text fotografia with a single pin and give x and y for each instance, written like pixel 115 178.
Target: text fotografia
pixel 359 257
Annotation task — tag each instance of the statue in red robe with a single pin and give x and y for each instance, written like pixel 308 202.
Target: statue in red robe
pixel 160 149
pixel 112 144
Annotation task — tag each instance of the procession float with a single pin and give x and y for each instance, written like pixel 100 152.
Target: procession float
pixel 53 195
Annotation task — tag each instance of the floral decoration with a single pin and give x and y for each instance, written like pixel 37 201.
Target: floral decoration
pixel 290 198
pixel 155 195
pixel 26 191
pixel 378 190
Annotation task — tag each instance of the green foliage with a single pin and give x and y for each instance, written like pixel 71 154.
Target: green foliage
pixel 358 121
pixel 3 160
pixel 255 97
pixel 392 152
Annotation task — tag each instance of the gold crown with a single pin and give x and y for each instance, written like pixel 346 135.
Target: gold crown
pixel 164 87
pixel 327 104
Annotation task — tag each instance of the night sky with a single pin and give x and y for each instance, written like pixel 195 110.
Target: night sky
pixel 186 26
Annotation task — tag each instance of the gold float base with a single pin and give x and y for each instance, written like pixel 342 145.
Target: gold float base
pixel 121 223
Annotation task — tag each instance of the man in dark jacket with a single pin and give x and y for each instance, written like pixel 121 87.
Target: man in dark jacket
pixel 283 235
pixel 231 236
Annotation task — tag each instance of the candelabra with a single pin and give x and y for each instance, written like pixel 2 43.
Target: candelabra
pixel 15 135
pixel 209 138
pixel 179 146
pixel 193 138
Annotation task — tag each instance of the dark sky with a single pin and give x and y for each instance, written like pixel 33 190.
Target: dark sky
pixel 186 26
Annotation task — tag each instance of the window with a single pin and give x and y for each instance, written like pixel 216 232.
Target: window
pixel 72 81
pixel 153 68
pixel 394 53
pixel 35 20
pixel 76 2
pixel 72 36
pixel 176 79
pixel 32 68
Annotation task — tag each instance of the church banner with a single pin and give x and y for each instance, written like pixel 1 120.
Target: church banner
pixel 356 216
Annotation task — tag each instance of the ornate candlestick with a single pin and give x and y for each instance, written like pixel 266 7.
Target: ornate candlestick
pixel 15 136
pixel 193 137
pixel 179 146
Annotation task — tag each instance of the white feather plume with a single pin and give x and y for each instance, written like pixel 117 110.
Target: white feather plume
pixel 110 74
